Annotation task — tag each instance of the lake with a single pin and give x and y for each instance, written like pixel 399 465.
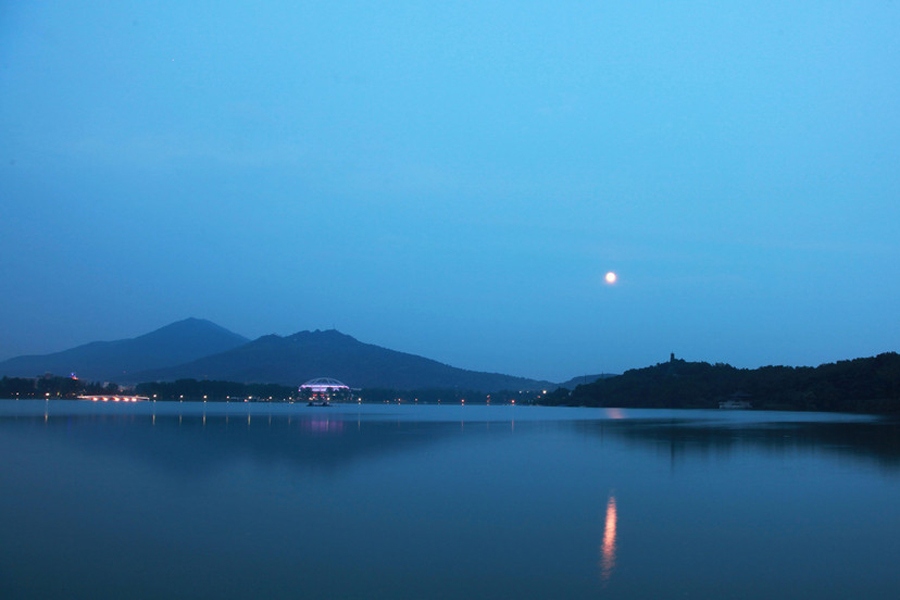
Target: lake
pixel 195 500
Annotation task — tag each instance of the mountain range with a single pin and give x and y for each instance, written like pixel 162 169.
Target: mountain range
pixel 200 349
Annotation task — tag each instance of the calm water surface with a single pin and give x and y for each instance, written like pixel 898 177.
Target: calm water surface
pixel 169 500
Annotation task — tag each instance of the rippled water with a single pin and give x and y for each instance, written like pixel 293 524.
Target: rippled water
pixel 170 500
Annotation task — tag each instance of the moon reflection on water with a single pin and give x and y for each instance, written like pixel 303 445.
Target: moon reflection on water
pixel 608 548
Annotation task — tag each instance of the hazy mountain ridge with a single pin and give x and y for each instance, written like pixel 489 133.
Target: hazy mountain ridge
pixel 307 354
pixel 199 349
pixel 584 380
pixel 118 360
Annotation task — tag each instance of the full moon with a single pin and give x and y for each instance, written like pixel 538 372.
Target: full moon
pixel 611 277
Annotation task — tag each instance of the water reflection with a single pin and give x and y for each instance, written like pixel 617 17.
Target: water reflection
pixel 182 501
pixel 318 425
pixel 615 413
pixel 198 440
pixel 608 549
pixel 689 435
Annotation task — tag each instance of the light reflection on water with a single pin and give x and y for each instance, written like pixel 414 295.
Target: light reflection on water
pixel 608 548
pixel 229 501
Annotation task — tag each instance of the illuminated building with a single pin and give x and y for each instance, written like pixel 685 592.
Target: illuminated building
pixel 323 391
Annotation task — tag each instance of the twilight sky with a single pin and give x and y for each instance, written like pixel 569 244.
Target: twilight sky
pixel 454 179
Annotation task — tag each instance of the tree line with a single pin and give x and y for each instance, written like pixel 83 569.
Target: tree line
pixel 870 385
pixel 216 391
pixel 52 386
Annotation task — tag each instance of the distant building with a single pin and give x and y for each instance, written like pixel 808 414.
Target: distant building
pixel 322 391
pixel 737 400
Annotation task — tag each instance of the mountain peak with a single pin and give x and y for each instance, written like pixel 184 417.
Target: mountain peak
pixel 321 335
pixel 173 344
pixel 309 354
pixel 193 324
pixel 199 349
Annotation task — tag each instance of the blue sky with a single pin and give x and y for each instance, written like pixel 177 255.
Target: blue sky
pixel 455 179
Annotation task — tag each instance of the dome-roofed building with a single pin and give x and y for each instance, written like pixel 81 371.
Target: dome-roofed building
pixel 322 391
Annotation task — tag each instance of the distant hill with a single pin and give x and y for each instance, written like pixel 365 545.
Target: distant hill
pixel 583 380
pixel 168 346
pixel 859 385
pixel 305 355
